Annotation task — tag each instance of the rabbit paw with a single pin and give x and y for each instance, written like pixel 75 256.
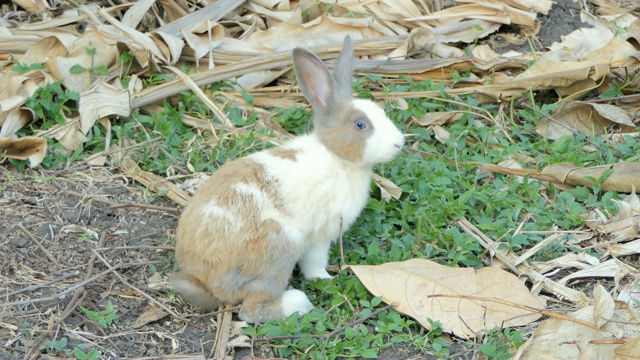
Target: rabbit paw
pixel 317 274
pixel 295 300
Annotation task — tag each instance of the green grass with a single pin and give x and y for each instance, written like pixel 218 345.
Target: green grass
pixel 438 191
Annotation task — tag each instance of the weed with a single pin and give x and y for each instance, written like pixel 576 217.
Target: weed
pixel 93 70
pixel 79 352
pixel 498 344
pixel 25 68
pixel 105 317
pixel 54 346
pixel 51 103
pixel 125 58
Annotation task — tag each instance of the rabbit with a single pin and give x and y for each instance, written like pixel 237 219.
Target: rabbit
pixel 245 229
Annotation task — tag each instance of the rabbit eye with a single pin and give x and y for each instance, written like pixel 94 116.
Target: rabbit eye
pixel 360 124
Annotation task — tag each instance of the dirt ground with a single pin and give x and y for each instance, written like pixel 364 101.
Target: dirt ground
pixel 67 231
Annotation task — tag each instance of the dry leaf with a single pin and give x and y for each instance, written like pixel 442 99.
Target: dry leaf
pixel 604 306
pixel 439 118
pixel 29 148
pixel 423 43
pixel 624 177
pixel 558 339
pixel 608 269
pixel 320 31
pixel 102 100
pixel 629 350
pixel 388 189
pixel 154 313
pixel 573 118
pixel 412 284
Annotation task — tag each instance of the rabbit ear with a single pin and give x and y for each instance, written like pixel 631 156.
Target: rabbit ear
pixel 314 79
pixel 344 67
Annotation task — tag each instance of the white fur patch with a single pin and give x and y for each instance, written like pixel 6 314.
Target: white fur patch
pixel 212 210
pixel 386 141
pixel 252 191
pixel 295 300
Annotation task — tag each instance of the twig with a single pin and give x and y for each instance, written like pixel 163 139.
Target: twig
pixel 624 97
pixel 534 174
pixel 357 322
pixel 599 342
pixel 39 286
pixel 75 300
pixel 37 243
pixel 115 151
pixel 219 350
pixel 126 283
pixel 138 247
pixel 341 247
pixel 326 336
pixel 145 206
pixel 74 193
pixel 519 306
pixel 72 288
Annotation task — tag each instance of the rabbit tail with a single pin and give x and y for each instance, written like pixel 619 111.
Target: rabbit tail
pixel 193 290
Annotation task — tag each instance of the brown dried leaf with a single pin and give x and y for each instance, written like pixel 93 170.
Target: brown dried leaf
pixel 33 5
pixel 629 350
pixel 388 189
pixel 423 43
pixel 604 306
pixel 412 284
pixel 572 118
pixel 105 55
pixel 624 177
pixel 102 100
pixel 321 31
pixel 14 121
pixel 29 148
pixel 154 313
pixel 557 338
pixel 439 118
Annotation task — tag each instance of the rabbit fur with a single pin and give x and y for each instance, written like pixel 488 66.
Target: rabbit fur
pixel 246 227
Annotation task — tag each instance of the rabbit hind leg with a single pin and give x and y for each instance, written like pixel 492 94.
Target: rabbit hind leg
pixel 260 307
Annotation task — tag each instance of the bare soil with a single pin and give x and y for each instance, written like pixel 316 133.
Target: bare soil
pixel 53 229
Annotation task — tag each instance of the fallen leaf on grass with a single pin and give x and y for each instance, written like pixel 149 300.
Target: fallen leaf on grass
pixel 561 339
pixel 388 189
pixel 612 268
pixel 623 176
pixel 29 148
pixel 414 283
pixel 573 118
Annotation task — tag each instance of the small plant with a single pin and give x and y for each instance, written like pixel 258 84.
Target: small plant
pixel 54 346
pixel 500 345
pixel 51 103
pixel 80 354
pixel 91 51
pixel 25 68
pixel 125 58
pixel 105 317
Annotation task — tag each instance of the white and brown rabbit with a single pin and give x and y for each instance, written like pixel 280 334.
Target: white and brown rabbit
pixel 247 227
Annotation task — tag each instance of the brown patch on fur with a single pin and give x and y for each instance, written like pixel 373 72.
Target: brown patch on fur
pixel 287 154
pixel 234 260
pixel 342 137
